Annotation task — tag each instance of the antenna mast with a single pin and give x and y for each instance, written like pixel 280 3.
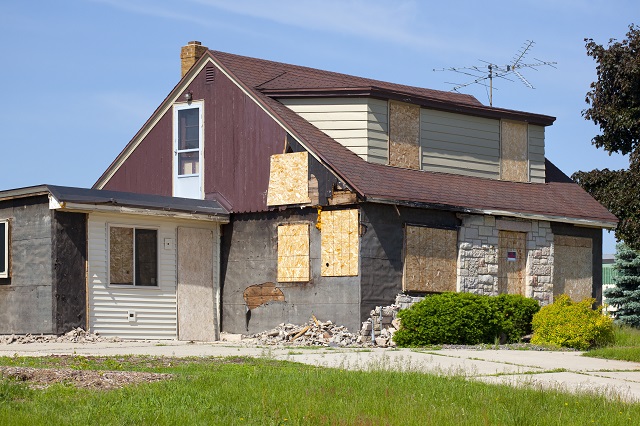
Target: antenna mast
pixel 498 71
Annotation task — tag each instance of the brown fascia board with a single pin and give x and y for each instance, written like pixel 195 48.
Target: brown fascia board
pixel 449 106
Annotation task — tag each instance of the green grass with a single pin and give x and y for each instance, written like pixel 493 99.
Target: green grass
pixel 238 391
pixel 626 346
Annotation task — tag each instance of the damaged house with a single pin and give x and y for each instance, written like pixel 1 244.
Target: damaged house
pixel 342 192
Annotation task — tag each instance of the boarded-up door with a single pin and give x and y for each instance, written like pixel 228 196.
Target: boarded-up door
pixel 196 291
pixel 573 271
pixel 511 262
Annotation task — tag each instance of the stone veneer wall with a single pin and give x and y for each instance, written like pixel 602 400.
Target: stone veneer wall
pixel 478 255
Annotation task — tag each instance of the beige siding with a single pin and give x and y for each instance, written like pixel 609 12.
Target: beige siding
pixel 536 154
pixel 155 307
pixel 463 144
pixel 360 124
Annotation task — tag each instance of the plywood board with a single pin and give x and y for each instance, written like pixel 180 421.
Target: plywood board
pixel 120 255
pixel 293 252
pixel 340 243
pixel 513 152
pixel 573 269
pixel 260 294
pixel 196 293
pixel 404 135
pixel 512 261
pixel 430 259
pixel 288 179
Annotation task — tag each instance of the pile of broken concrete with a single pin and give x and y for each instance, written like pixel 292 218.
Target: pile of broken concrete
pixel 77 335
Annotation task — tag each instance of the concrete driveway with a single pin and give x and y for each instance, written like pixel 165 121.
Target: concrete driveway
pixel 568 371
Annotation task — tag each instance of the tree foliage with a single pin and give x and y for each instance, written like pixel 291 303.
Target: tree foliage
pixel 614 105
pixel 625 295
pixel 614 98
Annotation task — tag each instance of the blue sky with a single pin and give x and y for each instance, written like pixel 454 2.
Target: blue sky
pixel 81 77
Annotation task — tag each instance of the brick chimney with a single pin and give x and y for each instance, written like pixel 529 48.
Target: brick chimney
pixel 190 54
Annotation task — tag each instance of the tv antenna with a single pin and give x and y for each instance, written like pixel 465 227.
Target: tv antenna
pixel 489 70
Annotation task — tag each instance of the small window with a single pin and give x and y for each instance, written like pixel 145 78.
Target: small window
pixel 188 149
pixel 293 252
pixel 133 256
pixel 4 249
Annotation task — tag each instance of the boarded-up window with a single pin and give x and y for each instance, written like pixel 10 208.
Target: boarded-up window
pixel 133 256
pixel 404 135
pixel 513 152
pixel 429 259
pixel 572 269
pixel 339 243
pixel 4 248
pixel 293 252
pixel 288 179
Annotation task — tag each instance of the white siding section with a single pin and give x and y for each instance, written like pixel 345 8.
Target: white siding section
pixel 536 154
pixel 155 307
pixel 462 144
pixel 360 124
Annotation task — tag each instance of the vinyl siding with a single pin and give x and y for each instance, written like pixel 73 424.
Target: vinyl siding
pixel 536 154
pixel 462 144
pixel 360 124
pixel 155 307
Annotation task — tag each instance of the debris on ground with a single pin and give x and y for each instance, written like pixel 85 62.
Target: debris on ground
pixel 77 335
pixel 40 378
pixel 313 333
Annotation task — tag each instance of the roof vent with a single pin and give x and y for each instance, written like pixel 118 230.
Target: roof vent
pixel 209 75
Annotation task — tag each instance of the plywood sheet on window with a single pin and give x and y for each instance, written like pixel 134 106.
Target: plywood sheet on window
pixel 120 255
pixel 197 308
pixel 512 261
pixel 513 152
pixel 288 179
pixel 339 243
pixel 430 259
pixel 404 135
pixel 573 269
pixel 293 252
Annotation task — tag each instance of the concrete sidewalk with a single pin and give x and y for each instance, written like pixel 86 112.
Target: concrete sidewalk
pixel 567 371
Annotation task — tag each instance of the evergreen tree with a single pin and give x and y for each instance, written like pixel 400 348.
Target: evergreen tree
pixel 625 296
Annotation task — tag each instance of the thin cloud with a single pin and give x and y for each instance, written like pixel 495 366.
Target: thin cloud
pixel 153 9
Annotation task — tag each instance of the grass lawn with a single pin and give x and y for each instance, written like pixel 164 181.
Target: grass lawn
pixel 626 346
pixel 237 391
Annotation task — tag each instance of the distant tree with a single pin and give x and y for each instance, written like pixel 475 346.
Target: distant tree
pixel 625 295
pixel 614 105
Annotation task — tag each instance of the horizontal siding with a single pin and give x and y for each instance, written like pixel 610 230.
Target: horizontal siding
pixel 155 307
pixel 536 154
pixel 460 144
pixel 359 124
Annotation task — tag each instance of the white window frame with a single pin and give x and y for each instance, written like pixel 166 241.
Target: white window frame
pixel 5 273
pixel 108 253
pixel 199 105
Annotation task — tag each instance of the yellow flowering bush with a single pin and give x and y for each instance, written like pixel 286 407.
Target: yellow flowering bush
pixel 570 324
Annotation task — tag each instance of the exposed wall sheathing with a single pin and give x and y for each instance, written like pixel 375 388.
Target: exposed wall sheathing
pixel 120 255
pixel 288 179
pixel 514 150
pixel 196 293
pixel 430 259
pixel 573 266
pixel 339 243
pixel 293 252
pixel 512 261
pixel 260 294
pixel 404 135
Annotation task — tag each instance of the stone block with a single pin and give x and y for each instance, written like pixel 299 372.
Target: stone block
pixel 485 279
pixel 492 269
pixel 534 226
pixel 541 270
pixel 531 245
pixel 512 225
pixel 471 234
pixel 466 246
pixel 474 220
pixel 492 241
pixel 490 221
pixel 485 231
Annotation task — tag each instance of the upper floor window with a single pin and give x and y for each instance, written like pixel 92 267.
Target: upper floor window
pixel 4 249
pixel 188 145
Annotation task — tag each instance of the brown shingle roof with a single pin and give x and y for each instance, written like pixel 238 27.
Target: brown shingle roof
pixel 558 198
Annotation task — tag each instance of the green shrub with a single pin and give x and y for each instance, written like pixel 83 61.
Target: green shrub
pixel 516 312
pixel 449 318
pixel 572 325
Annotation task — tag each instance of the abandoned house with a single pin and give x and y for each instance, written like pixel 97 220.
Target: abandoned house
pixel 341 192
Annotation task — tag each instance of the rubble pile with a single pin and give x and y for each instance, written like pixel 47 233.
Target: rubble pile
pixel 313 333
pixel 77 335
pixel 379 328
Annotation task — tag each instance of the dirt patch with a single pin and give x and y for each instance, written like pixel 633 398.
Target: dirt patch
pixel 40 378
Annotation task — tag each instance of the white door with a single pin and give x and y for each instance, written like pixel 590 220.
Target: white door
pixel 197 310
pixel 187 149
